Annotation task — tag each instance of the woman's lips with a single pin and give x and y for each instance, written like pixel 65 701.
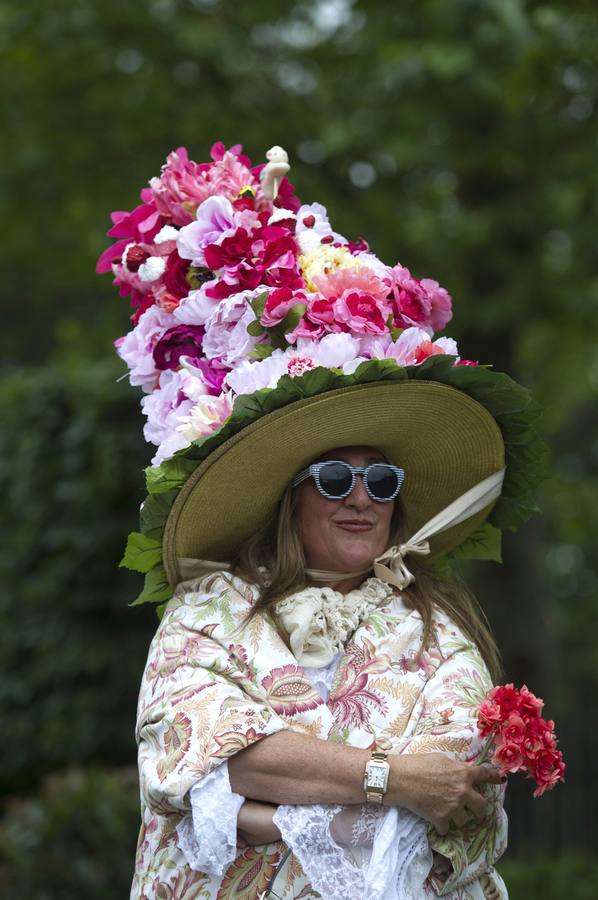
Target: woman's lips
pixel 354 525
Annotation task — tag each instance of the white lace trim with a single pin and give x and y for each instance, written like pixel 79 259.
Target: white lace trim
pixel 208 835
pixel 319 620
pixel 387 857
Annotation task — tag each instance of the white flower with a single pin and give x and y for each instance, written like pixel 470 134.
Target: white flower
pixel 167 233
pixel 196 308
pixel 152 269
pixel 206 416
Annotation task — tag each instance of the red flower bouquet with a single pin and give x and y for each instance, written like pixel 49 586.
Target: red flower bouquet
pixel 521 740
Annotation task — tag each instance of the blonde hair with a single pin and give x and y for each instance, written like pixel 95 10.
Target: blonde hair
pixel 273 559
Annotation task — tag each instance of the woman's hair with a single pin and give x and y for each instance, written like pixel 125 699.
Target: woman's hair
pixel 273 559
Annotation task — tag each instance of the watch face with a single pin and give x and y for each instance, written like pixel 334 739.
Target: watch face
pixel 376 777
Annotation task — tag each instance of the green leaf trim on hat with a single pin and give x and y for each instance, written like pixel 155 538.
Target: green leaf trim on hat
pixel 510 404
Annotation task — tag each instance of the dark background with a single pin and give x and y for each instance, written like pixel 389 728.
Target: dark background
pixel 460 139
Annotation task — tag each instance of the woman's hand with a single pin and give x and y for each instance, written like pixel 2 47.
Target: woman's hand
pixel 439 789
pixel 255 826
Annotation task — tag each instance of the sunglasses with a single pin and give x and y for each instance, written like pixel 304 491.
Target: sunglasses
pixel 336 479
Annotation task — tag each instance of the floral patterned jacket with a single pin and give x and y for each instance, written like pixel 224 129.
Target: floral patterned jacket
pixel 215 683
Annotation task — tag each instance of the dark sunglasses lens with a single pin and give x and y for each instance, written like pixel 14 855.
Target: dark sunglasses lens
pixel 335 479
pixel 382 482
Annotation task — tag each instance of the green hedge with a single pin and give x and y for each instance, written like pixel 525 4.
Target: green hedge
pixel 75 839
pixel 72 652
pixel 572 876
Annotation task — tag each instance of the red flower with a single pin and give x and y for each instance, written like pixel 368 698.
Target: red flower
pixel 507 697
pixel 509 757
pixel 174 278
pixel 489 717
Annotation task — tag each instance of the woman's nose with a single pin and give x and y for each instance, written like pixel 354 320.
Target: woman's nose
pixel 359 497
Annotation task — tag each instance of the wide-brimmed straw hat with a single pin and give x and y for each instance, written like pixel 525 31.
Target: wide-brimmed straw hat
pixel 449 427
pixel 263 340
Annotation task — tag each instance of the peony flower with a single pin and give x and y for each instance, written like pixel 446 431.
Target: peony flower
pixel 322 260
pixel 206 416
pixel 333 351
pixel 163 406
pixel 226 334
pixel 357 278
pixel 196 308
pixel 421 303
pixel 506 696
pixel 181 340
pixel 137 347
pixel 361 313
pixel 413 346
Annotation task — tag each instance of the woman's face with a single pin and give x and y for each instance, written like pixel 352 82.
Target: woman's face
pixel 343 535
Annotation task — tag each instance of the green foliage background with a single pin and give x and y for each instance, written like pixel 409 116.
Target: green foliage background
pixel 457 138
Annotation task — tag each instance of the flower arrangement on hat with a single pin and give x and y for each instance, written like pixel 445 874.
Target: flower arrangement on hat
pixel 232 288
pixel 247 305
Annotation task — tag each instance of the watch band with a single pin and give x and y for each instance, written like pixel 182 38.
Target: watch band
pixel 375 777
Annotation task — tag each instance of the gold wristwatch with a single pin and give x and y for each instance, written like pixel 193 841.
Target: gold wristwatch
pixel 375 777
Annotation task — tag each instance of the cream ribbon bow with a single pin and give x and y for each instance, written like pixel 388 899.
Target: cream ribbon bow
pixel 468 504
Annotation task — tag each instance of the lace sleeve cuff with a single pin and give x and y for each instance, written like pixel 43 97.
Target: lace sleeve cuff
pixel 208 835
pixel 358 853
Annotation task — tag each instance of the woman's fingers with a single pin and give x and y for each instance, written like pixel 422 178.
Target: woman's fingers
pixel 486 774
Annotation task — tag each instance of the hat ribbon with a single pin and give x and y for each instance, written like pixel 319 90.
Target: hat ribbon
pixel 468 504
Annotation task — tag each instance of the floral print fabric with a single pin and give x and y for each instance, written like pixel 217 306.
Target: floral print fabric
pixel 215 683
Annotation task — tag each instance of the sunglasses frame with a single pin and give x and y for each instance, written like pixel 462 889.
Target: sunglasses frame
pixel 314 470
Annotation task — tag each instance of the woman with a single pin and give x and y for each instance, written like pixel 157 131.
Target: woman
pixel 306 779
pixel 305 690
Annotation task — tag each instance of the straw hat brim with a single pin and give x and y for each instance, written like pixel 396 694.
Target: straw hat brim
pixel 445 440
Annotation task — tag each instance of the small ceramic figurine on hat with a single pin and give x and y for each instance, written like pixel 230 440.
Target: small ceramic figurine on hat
pixel 307 721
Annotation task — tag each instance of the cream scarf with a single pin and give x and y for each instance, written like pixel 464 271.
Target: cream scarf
pixel 319 620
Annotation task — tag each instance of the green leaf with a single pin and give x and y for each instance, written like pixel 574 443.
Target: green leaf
pixel 142 553
pixel 171 475
pixel 154 512
pixel 261 351
pixel 292 318
pixel 484 543
pixel 255 329
pixel 155 587
pixel 258 303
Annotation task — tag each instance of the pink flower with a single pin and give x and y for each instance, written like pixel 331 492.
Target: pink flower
pixel 138 226
pixel 413 346
pixel 361 278
pixel 163 406
pixel 513 730
pixel 206 416
pixel 137 347
pixel 278 304
pixel 361 313
pixel 489 717
pixel 421 303
pixel 216 221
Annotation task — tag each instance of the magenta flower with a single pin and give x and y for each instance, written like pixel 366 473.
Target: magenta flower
pixel 361 313
pixel 278 304
pixel 182 340
pixel 216 220
pixel 421 303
